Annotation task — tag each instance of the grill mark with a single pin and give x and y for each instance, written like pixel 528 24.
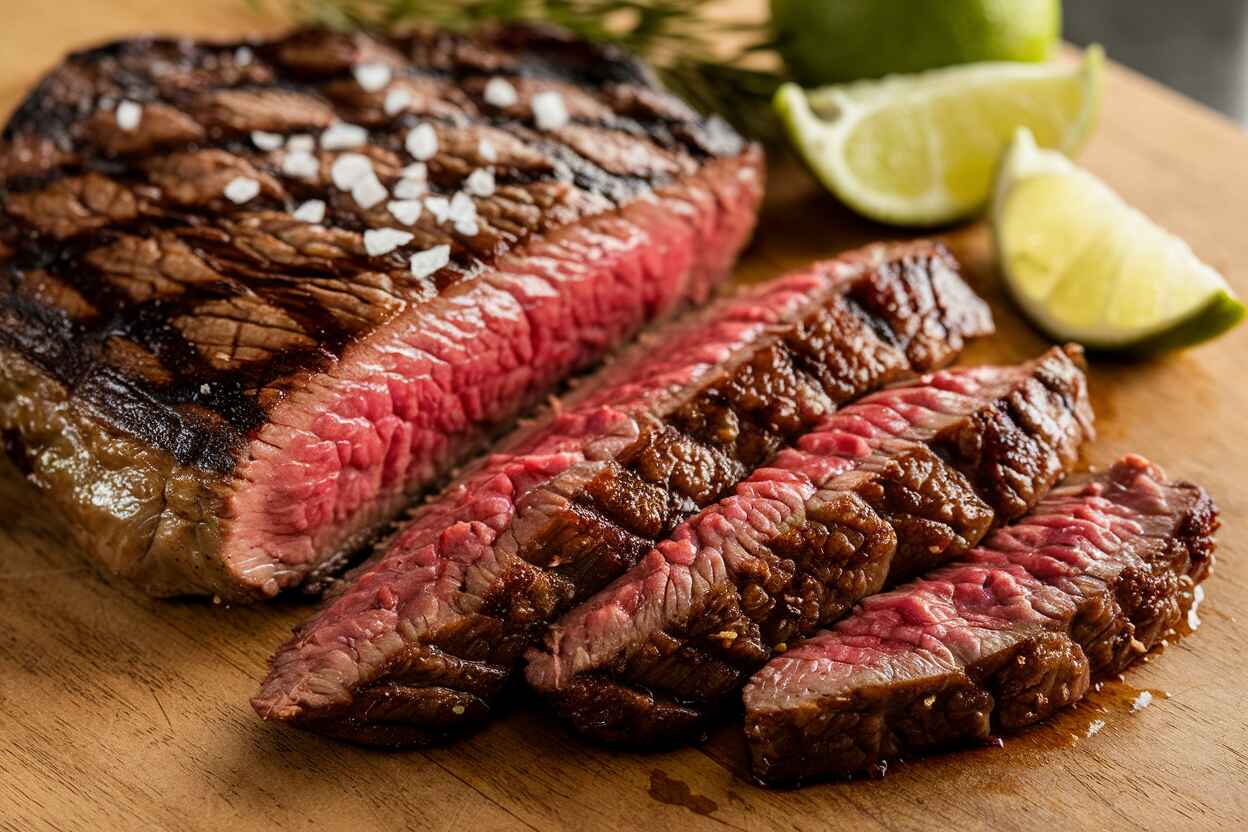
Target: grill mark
pixel 615 512
pixel 628 508
pixel 73 350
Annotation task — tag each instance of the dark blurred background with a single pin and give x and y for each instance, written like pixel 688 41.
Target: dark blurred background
pixel 1196 46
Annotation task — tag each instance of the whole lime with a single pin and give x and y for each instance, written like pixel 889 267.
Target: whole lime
pixel 832 41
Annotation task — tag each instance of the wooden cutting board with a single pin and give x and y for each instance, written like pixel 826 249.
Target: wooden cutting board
pixel 120 712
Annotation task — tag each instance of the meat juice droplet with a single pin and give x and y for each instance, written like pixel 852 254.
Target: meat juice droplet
pixel 675 792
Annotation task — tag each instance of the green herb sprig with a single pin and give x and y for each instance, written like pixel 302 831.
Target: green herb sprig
pixel 679 37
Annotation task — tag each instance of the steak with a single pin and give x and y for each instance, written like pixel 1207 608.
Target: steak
pixel 419 642
pixel 1074 593
pixel 253 297
pixel 906 478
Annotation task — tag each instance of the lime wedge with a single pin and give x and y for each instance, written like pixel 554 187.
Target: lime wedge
pixel 1085 266
pixel 920 150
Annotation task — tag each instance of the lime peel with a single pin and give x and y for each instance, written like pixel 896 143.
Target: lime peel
pixel 1084 265
pixel 861 140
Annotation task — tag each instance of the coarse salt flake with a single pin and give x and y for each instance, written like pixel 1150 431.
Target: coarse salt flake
pixel 372 77
pixel 1142 701
pixel 343 136
pixel 406 211
pixel 422 142
pixel 312 211
pixel 462 208
pixel 480 182
pixel 487 151
pixel 425 263
pixel 397 100
pixel 205 388
pixel 416 170
pixel 300 164
pixel 243 56
pixel 301 141
pixel 379 241
pixel 1095 727
pixel 369 193
pixel 500 93
pixel 350 168
pixel 242 189
pixel 266 141
pixel 440 207
pixel 549 111
pixel 411 188
pixel 128 115
pixel 467 228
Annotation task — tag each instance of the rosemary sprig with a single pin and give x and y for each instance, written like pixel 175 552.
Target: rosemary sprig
pixel 678 36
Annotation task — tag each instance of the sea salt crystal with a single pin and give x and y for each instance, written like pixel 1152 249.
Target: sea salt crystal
pixel 205 388
pixel 350 168
pixel 411 188
pixel 480 182
pixel 416 170
pixel 426 263
pixel 467 228
pixel 301 141
pixel 242 189
pixel 372 77
pixel 368 193
pixel 129 115
pixel 312 211
pixel 462 208
pixel 406 211
pixel 500 93
pixel 379 241
pixel 267 141
pixel 549 111
pixel 342 136
pixel 487 151
pixel 422 142
pixel 243 56
pixel 1193 613
pixel 1142 701
pixel 440 207
pixel 1095 727
pixel 397 100
pixel 300 164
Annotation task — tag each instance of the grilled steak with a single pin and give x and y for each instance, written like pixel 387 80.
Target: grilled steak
pixel 417 646
pixel 1074 593
pixel 231 343
pixel 911 476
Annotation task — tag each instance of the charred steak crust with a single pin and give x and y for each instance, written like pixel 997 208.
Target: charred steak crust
pixel 438 621
pixel 1073 593
pixel 282 391
pixel 904 479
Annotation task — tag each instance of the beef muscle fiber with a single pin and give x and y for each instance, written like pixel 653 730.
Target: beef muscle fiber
pixel 1073 593
pixel 909 477
pixel 421 639
pixel 215 371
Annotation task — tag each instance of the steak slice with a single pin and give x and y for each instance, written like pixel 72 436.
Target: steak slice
pixel 909 477
pixel 419 642
pixel 1074 593
pixel 224 392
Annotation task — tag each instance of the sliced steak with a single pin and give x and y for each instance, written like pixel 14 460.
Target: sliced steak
pixel 878 491
pixel 416 646
pixel 1074 593
pixel 223 389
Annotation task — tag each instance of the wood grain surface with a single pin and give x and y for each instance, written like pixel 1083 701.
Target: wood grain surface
pixel 119 712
